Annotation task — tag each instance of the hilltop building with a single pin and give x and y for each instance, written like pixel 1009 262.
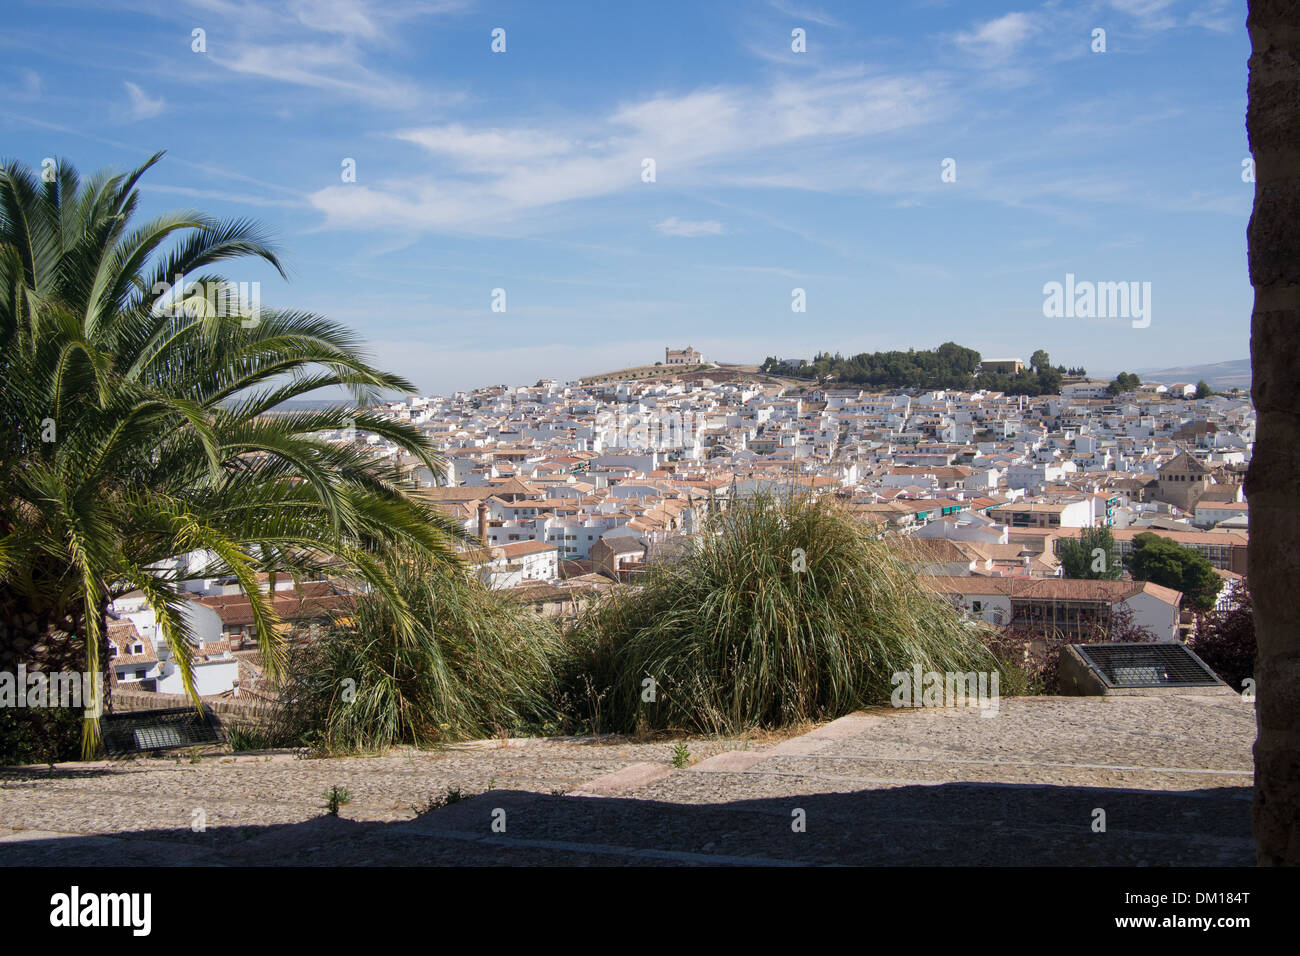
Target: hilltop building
pixel 1007 366
pixel 686 356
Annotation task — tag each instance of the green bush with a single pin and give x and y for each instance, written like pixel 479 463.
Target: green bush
pixel 1225 639
pixel 476 666
pixel 1030 654
pixel 1171 565
pixel 782 611
pixel 254 736
pixel 39 735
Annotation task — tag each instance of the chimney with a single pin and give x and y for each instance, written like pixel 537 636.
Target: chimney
pixel 482 521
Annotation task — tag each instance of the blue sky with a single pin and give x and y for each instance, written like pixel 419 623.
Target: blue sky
pixel 774 170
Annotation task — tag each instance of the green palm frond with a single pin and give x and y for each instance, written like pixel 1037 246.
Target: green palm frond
pixel 167 432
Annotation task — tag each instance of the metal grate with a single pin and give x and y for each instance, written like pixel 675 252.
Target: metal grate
pixel 142 730
pixel 1147 665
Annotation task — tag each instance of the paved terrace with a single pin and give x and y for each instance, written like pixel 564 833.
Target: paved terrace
pixel 1173 775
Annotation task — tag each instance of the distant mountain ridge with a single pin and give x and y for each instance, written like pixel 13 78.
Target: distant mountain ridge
pixel 1218 375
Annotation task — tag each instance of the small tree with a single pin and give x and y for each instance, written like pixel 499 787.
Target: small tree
pixel 1203 389
pixel 1168 563
pixel 1092 556
pixel 1124 382
pixel 1225 639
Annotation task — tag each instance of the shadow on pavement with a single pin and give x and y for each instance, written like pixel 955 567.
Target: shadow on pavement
pixel 958 824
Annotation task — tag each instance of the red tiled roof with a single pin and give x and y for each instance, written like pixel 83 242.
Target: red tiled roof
pixel 1051 589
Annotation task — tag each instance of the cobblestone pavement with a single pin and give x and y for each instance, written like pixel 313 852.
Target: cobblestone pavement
pixel 1171 776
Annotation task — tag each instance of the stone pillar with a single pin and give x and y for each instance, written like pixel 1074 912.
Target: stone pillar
pixel 1273 481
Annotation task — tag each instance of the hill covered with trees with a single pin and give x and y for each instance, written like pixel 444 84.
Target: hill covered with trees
pixel 950 366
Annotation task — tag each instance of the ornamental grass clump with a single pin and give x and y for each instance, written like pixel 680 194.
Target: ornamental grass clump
pixel 477 665
pixel 782 611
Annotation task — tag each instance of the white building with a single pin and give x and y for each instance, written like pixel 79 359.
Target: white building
pixel 510 565
pixel 686 356
pixel 1093 388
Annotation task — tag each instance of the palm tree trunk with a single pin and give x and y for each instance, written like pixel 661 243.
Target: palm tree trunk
pixel 1273 481
pixel 37 638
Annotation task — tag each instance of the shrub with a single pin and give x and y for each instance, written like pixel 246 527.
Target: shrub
pixel 253 736
pixel 782 611
pixel 438 801
pixel 681 755
pixel 39 735
pixel 1031 656
pixel 1225 639
pixel 475 666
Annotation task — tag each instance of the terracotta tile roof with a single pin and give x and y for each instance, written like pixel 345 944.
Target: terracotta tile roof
pixel 1191 536
pixel 928 550
pixel 457 494
pixel 1051 589
pixel 515 486
pixel 311 603
pixel 124 636
pixel 515 549
pixel 539 593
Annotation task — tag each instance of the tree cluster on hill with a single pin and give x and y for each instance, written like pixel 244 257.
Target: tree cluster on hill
pixel 1124 382
pixel 950 366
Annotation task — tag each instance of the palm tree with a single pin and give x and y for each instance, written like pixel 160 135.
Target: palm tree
pixel 1273 238
pixel 134 427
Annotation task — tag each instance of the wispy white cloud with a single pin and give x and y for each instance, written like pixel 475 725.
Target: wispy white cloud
pixel 243 199
pixel 346 17
pixel 326 45
pixel 1154 16
pixel 1217 16
pixel 487 149
pixel 27 88
pixel 690 228
pixel 716 136
pixel 31 83
pixel 324 67
pixel 1153 13
pixel 141 105
pixel 995 41
pixel 804 14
